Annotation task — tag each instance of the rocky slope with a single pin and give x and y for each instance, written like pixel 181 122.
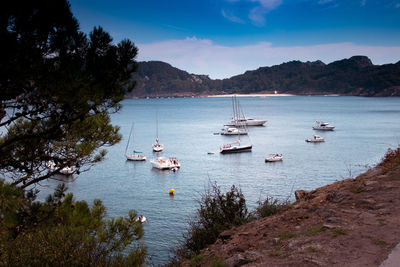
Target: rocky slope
pixel 353 222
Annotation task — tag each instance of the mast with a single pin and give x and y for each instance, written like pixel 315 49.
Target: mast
pixel 130 133
pixel 157 124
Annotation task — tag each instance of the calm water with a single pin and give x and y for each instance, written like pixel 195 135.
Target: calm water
pixel 365 128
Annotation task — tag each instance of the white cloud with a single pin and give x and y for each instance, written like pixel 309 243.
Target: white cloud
pixel 231 17
pixel 202 56
pixel 258 13
pixel 269 4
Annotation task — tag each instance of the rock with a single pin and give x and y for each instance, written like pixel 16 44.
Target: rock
pixel 334 220
pixel 225 235
pixel 368 183
pixel 262 244
pixel 337 197
pixel 325 212
pixel 275 241
pixel 329 226
pixel 236 260
pixel 253 255
pixel 302 195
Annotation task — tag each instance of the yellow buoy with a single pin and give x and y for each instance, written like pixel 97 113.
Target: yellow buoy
pixel 171 191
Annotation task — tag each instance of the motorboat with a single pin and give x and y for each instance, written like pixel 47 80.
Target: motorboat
pixel 246 121
pixel 315 139
pixel 136 155
pixel 323 126
pixel 274 158
pixel 163 163
pixel 233 131
pixel 235 147
pixel 66 170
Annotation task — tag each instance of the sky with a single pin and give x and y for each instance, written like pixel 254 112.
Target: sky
pixel 223 38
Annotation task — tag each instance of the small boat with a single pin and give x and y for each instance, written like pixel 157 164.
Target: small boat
pixel 315 139
pixel 157 147
pixel 233 131
pixel 66 170
pixel 323 126
pixel 210 153
pixel 141 219
pixel 163 163
pixel 274 158
pixel 235 147
pixel 136 155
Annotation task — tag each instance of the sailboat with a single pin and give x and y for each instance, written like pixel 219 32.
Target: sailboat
pixel 236 146
pixel 136 155
pixel 157 147
pixel 237 120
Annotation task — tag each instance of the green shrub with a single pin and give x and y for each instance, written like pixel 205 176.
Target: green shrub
pixel 64 232
pixel 391 159
pixel 269 206
pixel 217 212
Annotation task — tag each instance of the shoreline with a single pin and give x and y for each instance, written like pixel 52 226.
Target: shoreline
pixel 264 95
pixel 322 224
pixel 250 95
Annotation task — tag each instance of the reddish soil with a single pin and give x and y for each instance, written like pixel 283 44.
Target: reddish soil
pixel 354 222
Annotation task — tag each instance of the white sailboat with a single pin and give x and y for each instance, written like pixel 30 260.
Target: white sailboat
pixel 157 147
pixel 238 121
pixel 136 155
pixel 236 146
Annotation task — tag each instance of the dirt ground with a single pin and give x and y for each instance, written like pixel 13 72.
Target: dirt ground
pixel 354 222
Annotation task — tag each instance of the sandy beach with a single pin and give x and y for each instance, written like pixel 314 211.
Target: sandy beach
pixel 250 95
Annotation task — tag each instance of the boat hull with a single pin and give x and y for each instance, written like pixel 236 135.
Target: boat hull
pixel 135 157
pixel 324 128
pixel 236 149
pixel 314 141
pixel 247 123
pixel 158 147
pixel 165 164
pixel 273 159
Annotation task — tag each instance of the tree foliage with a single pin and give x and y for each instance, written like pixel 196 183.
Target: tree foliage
pixel 58 87
pixel 64 232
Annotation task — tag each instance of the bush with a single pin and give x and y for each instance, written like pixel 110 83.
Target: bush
pixel 64 232
pixel 391 160
pixel 268 207
pixel 217 212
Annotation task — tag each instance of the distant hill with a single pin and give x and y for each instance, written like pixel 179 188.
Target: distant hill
pixel 354 76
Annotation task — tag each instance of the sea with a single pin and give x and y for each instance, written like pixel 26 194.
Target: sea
pixel 365 129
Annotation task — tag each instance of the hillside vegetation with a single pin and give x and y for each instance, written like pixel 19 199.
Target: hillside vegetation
pixel 354 76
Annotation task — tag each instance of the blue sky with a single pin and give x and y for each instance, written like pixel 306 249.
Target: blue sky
pixel 222 38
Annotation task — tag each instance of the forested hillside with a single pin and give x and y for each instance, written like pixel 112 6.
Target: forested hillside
pixel 354 76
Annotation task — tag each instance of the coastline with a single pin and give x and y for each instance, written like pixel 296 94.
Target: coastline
pixel 250 95
pixel 318 229
pixel 265 95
